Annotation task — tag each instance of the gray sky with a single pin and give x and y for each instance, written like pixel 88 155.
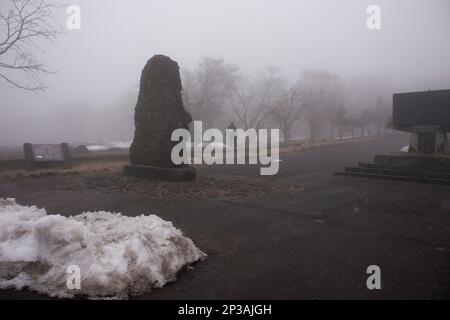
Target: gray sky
pixel 103 60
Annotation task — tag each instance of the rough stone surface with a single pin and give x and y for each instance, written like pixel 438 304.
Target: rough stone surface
pixel 158 112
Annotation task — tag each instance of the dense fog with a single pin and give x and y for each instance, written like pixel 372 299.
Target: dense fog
pixel 251 58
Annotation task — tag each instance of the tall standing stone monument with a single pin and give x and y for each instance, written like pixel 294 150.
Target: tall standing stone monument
pixel 159 111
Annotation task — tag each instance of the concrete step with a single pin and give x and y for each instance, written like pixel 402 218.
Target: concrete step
pixel 414 160
pixel 395 177
pixel 404 167
pixel 407 172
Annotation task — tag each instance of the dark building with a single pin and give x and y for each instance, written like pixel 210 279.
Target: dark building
pixel 426 114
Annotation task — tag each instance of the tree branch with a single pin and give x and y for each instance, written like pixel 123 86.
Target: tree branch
pixel 27 23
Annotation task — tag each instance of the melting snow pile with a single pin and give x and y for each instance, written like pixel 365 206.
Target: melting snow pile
pixel 118 256
pixel 405 149
pixel 110 145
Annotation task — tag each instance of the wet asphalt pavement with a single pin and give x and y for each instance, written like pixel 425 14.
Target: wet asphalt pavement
pixel 312 246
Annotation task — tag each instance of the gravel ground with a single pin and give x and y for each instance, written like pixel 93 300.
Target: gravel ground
pixel 110 179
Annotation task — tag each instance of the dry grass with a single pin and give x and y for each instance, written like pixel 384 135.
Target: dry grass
pixel 109 178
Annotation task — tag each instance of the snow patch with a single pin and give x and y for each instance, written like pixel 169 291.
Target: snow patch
pixel 109 145
pixel 118 256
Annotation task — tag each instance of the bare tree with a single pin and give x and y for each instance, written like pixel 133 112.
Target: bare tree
pixel 25 24
pixel 321 92
pixel 207 88
pixel 242 102
pixel 351 118
pixel 252 97
pixel 270 86
pixel 365 117
pixel 286 112
pixel 340 120
pixel 381 114
pixel 336 109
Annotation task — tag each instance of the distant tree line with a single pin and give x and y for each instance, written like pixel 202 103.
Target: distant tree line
pixel 318 105
pixel 319 100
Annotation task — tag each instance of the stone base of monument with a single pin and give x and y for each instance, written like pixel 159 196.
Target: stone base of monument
pixel 160 173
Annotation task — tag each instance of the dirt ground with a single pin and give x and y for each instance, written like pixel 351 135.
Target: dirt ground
pixel 108 177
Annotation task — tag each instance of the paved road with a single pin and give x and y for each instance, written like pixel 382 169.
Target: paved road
pixel 316 245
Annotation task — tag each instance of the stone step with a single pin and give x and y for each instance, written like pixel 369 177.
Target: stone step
pixel 410 168
pixel 403 167
pixel 414 160
pixel 395 177
pixel 398 171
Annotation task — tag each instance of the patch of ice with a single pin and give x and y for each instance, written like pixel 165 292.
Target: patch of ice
pixel 109 145
pixel 118 256
pixel 97 147
pixel 344 138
